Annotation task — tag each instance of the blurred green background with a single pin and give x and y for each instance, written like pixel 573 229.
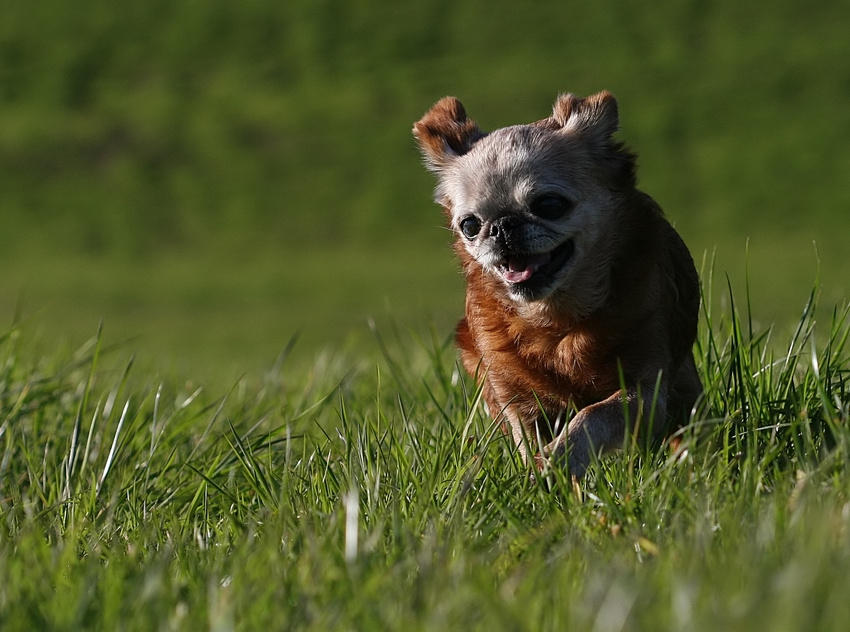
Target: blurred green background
pixel 215 176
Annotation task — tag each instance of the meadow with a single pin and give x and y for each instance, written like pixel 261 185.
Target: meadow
pixel 228 393
pixel 376 495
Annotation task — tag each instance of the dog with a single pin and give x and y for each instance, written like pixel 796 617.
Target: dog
pixel 582 301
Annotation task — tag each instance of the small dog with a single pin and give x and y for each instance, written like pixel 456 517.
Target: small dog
pixel 582 301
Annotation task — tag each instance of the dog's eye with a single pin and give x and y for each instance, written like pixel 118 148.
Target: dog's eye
pixel 470 226
pixel 550 206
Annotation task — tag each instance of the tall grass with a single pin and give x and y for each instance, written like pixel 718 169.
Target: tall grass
pixel 372 493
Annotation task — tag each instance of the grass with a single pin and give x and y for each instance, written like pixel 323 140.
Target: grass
pixel 214 178
pixel 372 493
pixel 215 321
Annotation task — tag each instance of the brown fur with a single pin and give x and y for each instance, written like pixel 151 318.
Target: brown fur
pixel 564 349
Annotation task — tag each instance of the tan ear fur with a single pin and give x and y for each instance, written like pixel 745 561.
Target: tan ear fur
pixel 445 133
pixel 595 115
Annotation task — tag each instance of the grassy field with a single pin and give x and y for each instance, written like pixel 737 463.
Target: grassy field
pixel 270 429
pixel 176 168
pixel 369 495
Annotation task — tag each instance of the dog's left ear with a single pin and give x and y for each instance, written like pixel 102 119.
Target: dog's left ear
pixel 445 133
pixel 595 116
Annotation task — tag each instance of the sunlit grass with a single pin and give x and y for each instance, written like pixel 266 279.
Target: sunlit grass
pixel 372 493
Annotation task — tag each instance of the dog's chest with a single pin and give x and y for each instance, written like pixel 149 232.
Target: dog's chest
pixel 567 367
pixel 577 363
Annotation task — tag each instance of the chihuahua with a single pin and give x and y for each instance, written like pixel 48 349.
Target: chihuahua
pixel 582 301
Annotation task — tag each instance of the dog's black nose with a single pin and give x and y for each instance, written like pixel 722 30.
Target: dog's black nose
pixel 502 228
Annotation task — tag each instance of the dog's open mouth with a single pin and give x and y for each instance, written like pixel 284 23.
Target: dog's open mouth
pixel 533 270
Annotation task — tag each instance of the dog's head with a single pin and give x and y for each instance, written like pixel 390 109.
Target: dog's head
pixel 534 205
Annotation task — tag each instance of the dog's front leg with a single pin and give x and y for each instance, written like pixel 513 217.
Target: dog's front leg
pixel 601 428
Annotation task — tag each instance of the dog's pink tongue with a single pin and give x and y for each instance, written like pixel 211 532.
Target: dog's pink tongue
pixel 521 269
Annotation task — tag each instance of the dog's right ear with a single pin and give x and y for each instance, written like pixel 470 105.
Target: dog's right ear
pixel 595 117
pixel 445 133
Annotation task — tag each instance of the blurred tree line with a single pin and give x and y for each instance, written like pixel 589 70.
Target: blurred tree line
pixel 131 128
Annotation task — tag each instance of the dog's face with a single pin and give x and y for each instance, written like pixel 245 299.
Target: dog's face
pixel 533 204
